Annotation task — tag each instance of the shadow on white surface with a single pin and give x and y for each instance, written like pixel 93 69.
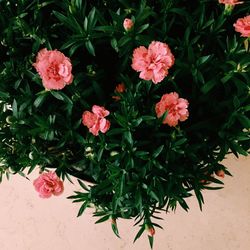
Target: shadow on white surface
pixel 28 222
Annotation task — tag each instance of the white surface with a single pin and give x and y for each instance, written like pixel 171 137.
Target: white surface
pixel 28 222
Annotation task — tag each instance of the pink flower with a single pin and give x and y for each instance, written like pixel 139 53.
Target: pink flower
pixel 176 109
pixel 230 2
pixel 95 120
pixel 220 173
pixel 242 25
pixel 54 68
pixel 153 63
pixel 128 24
pixel 47 184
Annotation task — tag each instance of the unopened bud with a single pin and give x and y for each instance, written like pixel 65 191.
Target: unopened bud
pixel 31 156
pixel 150 230
pixel 8 119
pixel 128 24
pixel 113 153
pixel 88 149
pixel 220 173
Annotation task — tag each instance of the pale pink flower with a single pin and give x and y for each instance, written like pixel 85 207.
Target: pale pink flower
pixel 47 184
pixel 176 109
pixel 220 173
pixel 95 120
pixel 54 68
pixel 128 24
pixel 230 2
pixel 242 25
pixel 153 63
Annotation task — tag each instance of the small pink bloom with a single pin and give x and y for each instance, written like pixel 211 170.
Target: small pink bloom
pixel 54 68
pixel 120 88
pixel 47 184
pixel 176 109
pixel 230 2
pixel 242 25
pixel 220 173
pixel 95 120
pixel 153 63
pixel 128 24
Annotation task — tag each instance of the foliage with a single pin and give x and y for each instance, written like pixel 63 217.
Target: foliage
pixel 140 166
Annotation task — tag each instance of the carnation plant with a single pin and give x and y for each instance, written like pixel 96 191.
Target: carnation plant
pixel 141 99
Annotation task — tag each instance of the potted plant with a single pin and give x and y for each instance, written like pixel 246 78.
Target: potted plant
pixel 143 99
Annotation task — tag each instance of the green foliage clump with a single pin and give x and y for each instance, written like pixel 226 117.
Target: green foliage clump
pixel 140 166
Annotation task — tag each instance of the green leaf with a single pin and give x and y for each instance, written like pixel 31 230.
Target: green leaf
pixel 158 151
pixel 245 121
pixel 142 154
pixel 90 47
pixel 115 229
pixel 208 86
pixel 104 218
pixel 180 142
pixel 92 19
pixel 83 185
pixel 142 28
pixel 57 95
pixel 151 241
pixel 14 108
pixel 140 232
pixel 128 137
pixel 114 44
pixel 82 208
pixel 236 102
pixel 199 198
pixel 99 155
pixel 65 20
pixel 39 100
pixel 154 196
pixel 148 118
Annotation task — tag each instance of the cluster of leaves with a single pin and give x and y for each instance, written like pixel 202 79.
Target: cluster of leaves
pixel 140 166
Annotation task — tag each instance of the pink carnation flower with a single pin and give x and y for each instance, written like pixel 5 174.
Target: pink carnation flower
pixel 176 109
pixel 230 2
pixel 128 24
pixel 95 120
pixel 47 184
pixel 242 25
pixel 54 68
pixel 153 63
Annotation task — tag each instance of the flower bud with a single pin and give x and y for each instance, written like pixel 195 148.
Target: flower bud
pixel 220 173
pixel 113 221
pixel 9 119
pixel 150 230
pixel 113 153
pixel 128 24
pixel 88 149
pixel 31 156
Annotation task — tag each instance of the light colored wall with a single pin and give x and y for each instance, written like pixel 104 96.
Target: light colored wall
pixel 28 222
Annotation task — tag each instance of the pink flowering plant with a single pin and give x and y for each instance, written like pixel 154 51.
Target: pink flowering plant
pixel 142 99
